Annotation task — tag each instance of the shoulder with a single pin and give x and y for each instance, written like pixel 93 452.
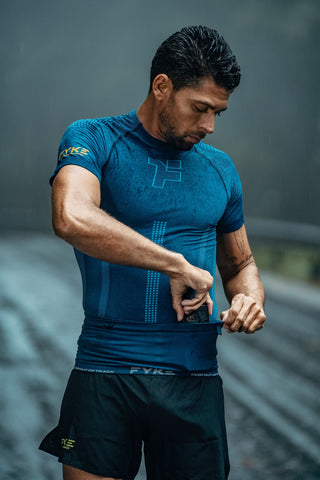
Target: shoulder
pixel 218 159
pixel 86 127
pixel 106 128
pixel 99 133
pixel 225 167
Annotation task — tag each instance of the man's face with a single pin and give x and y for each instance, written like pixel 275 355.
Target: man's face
pixel 189 113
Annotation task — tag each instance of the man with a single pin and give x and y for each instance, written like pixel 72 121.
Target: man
pixel 150 209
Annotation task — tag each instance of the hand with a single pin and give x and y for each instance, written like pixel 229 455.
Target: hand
pixel 244 315
pixel 200 281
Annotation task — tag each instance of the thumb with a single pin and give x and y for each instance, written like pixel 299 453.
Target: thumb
pixel 224 315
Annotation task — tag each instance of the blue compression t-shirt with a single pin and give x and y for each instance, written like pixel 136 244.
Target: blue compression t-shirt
pixel 178 199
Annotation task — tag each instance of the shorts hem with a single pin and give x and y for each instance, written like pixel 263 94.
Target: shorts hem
pixel 84 468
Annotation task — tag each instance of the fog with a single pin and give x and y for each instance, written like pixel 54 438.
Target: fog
pixel 72 59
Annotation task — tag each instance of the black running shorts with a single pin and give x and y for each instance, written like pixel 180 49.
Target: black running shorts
pixel 105 419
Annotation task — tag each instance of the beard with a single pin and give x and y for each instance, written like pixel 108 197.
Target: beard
pixel 169 133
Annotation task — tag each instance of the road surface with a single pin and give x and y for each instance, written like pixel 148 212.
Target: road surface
pixel 271 379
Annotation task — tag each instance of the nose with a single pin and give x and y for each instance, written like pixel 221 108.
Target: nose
pixel 207 122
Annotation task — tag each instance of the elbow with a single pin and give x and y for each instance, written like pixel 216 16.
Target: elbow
pixel 59 228
pixel 64 226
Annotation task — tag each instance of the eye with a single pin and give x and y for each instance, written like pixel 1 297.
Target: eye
pixel 201 109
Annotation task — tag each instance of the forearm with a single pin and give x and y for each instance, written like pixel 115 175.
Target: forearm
pixel 247 282
pixel 91 230
pixel 241 282
pixel 78 219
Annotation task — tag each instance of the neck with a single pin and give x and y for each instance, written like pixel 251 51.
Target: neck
pixel 148 115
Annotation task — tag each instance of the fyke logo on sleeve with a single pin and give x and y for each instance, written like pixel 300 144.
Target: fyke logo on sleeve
pixel 74 151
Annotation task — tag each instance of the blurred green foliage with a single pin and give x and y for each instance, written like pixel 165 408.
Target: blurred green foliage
pixel 298 263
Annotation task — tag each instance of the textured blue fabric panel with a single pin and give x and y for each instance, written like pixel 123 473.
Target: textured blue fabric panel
pixel 178 199
pixel 127 348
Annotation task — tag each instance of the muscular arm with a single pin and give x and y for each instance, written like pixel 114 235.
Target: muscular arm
pixel 241 282
pixel 78 219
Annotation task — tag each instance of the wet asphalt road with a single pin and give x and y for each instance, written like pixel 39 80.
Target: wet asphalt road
pixel 271 379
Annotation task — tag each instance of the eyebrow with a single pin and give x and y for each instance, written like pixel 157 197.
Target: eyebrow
pixel 211 106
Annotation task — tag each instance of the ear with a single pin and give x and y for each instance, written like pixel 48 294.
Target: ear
pixel 162 87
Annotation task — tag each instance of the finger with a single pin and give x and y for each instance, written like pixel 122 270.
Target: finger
pixel 224 315
pixel 176 304
pixel 226 323
pixel 252 315
pixel 244 315
pixel 224 318
pixel 232 313
pixel 257 324
pixel 209 303
pixel 194 303
pixel 190 305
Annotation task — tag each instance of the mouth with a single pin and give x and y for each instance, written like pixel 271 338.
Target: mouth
pixel 194 138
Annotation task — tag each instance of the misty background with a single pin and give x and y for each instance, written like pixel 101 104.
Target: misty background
pixel 71 59
pixel 64 60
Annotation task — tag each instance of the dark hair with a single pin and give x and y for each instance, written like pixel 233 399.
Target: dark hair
pixel 193 53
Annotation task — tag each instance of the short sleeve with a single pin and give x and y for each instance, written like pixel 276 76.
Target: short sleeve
pixel 82 144
pixel 232 218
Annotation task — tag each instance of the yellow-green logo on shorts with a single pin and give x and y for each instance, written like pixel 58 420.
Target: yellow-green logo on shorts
pixel 66 443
